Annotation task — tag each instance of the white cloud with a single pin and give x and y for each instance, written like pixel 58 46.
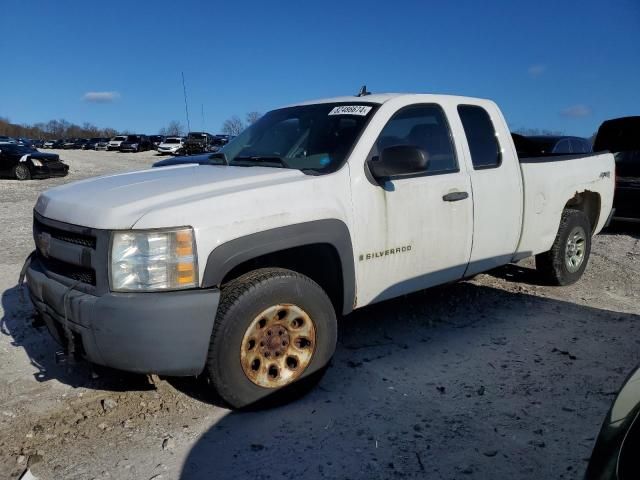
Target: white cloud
pixel 536 70
pixel 100 97
pixel 576 111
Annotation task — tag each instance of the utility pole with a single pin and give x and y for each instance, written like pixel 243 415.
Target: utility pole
pixel 186 107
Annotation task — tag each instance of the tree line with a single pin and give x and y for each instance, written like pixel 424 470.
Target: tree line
pixel 56 129
pixel 53 129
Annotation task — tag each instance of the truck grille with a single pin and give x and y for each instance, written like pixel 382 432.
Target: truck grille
pixel 68 262
pixel 62 235
pixel 64 269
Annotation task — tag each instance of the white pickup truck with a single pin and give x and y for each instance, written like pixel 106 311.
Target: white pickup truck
pixel 238 270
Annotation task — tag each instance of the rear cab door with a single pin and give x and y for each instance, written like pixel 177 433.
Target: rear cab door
pixel 496 182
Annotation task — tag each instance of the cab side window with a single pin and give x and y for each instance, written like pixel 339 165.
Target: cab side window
pixel 579 146
pixel 562 147
pixel 425 127
pixel 481 137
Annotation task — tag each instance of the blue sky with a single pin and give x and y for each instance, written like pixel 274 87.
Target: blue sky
pixel 561 65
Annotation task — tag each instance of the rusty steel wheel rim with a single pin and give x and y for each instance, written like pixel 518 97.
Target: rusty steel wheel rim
pixel 278 346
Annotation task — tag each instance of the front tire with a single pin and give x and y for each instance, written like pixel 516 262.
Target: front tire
pixel 274 334
pixel 565 263
pixel 22 172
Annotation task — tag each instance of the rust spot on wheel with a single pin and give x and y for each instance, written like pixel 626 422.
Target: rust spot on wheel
pixel 278 346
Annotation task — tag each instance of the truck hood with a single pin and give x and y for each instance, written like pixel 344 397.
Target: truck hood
pixel 119 201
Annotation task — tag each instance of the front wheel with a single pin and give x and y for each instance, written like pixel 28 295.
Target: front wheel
pixel 565 263
pixel 22 172
pixel 273 337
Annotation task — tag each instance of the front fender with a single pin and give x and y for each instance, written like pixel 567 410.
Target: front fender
pixel 334 232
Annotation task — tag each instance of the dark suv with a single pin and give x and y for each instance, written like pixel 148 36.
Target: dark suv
pixel 136 143
pixel 156 140
pixel 621 136
pixel 200 142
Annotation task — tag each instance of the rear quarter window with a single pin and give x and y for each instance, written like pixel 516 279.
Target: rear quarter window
pixel 481 137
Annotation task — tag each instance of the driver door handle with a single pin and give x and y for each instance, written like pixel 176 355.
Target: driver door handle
pixel 455 196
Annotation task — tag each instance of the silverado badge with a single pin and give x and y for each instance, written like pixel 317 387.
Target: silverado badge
pixel 385 253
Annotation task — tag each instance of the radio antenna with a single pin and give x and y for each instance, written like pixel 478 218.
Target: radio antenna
pixel 363 92
pixel 186 107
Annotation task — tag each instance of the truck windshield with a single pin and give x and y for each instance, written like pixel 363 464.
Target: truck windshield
pixel 313 138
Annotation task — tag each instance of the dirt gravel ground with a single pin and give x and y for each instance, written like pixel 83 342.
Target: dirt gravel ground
pixel 495 377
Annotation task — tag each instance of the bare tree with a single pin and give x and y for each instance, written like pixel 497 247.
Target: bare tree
pixel 233 126
pixel 109 132
pixel 174 129
pixel 253 117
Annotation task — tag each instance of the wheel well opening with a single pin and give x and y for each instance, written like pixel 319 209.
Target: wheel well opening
pixel 320 262
pixel 589 203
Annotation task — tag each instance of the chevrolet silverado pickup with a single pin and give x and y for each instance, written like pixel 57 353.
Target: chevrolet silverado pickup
pixel 236 270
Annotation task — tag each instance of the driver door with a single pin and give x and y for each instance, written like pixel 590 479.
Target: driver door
pixel 414 231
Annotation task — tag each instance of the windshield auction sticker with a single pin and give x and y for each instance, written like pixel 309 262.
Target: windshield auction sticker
pixel 361 110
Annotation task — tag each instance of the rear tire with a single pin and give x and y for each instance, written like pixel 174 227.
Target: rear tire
pixel 565 263
pixel 274 334
pixel 22 172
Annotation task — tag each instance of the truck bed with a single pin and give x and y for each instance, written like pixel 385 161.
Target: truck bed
pixel 548 181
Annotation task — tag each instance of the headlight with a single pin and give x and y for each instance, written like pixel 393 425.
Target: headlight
pixel 153 260
pixel 36 163
pixel 134 145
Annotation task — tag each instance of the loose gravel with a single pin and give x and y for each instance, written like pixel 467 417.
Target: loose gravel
pixel 494 377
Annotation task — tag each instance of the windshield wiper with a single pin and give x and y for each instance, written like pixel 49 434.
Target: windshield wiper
pixel 310 171
pixel 220 156
pixel 263 159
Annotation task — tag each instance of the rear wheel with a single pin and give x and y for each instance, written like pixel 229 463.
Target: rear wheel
pixel 565 263
pixel 274 334
pixel 22 172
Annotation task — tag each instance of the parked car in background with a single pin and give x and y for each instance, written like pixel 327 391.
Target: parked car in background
pixel 59 143
pixel 23 163
pixel 37 143
pixel 25 142
pixel 199 142
pixel 5 139
pixel 74 143
pixel 541 145
pixel 225 138
pixel 49 144
pixel 136 143
pixel 170 146
pixel 218 142
pixel 103 144
pixel 115 142
pixel 156 139
pixel 615 454
pixel 69 143
pixel 80 143
pixel 621 136
pixel 92 142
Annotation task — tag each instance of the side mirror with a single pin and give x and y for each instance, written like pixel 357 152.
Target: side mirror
pixel 399 161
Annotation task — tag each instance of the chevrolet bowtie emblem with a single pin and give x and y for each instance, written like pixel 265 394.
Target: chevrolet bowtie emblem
pixel 43 242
